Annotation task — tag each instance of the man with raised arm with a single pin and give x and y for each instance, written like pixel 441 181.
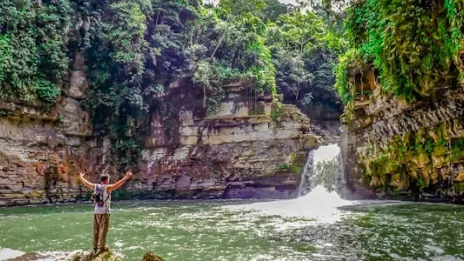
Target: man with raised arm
pixel 102 200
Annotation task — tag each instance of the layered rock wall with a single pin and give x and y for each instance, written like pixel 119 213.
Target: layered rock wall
pixel 405 149
pixel 40 152
pixel 240 152
pixel 42 148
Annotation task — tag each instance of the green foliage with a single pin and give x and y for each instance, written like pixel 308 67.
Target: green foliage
pixel 344 86
pixel 276 111
pixel 304 51
pixel 212 76
pixel 240 7
pixel 415 46
pixel 46 90
pixel 228 44
pixel 33 58
pixel 284 167
pixel 274 9
pixel 134 49
pixel 293 56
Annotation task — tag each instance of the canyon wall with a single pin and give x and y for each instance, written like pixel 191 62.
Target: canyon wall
pixel 398 149
pixel 249 149
pixel 43 148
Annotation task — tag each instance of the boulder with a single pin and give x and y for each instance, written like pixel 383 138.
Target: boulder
pixel 29 257
pixel 104 256
pixel 152 257
pixel 107 256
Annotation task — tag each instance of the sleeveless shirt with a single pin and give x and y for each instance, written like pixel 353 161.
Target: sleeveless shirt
pixel 105 209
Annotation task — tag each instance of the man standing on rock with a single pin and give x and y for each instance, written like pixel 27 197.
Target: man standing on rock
pixel 102 201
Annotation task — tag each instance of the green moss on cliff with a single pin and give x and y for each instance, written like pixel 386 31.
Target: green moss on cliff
pixel 414 46
pixel 415 156
pixel 425 159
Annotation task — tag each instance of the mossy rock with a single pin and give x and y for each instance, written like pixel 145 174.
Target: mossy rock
pixel 35 194
pixel 105 256
pixel 82 256
pixel 460 177
pixel 398 182
pixel 311 141
pixel 29 257
pixel 152 257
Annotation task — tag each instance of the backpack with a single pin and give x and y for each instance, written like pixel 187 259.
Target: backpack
pixel 97 196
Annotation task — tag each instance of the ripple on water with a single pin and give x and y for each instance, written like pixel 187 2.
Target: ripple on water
pixel 210 231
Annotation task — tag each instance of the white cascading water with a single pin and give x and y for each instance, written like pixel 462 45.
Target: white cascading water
pixel 323 168
pixel 322 178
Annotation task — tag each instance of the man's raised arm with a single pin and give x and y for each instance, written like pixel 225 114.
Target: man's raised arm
pixel 86 183
pixel 120 182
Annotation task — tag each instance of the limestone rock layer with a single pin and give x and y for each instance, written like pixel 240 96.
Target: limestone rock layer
pixel 240 152
pixel 402 149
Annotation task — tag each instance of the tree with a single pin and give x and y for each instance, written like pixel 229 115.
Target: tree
pixel 304 52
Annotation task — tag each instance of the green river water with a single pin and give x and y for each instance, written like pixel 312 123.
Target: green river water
pixel 218 230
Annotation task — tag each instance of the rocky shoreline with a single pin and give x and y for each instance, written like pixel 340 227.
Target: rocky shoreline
pixel 76 256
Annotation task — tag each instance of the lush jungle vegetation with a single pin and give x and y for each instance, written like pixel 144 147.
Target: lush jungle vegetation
pixel 416 50
pixel 135 48
pixel 415 46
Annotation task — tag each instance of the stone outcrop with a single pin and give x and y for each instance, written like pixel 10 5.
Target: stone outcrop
pixel 104 256
pixel 405 149
pixel 107 255
pixel 41 150
pixel 240 152
pixel 78 81
pixel 84 256
pixel 152 257
pixel 249 149
pixel 324 114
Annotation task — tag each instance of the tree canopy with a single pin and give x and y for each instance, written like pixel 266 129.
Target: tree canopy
pixel 135 48
pixel 414 46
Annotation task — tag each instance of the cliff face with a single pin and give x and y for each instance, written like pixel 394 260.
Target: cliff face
pixel 248 149
pixel 240 152
pixel 42 148
pixel 401 149
pixel 121 65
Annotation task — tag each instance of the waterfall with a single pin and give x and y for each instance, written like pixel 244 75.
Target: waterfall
pixel 323 169
pixel 307 177
pixel 322 183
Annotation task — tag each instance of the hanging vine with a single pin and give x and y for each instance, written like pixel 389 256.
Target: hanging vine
pixel 415 46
